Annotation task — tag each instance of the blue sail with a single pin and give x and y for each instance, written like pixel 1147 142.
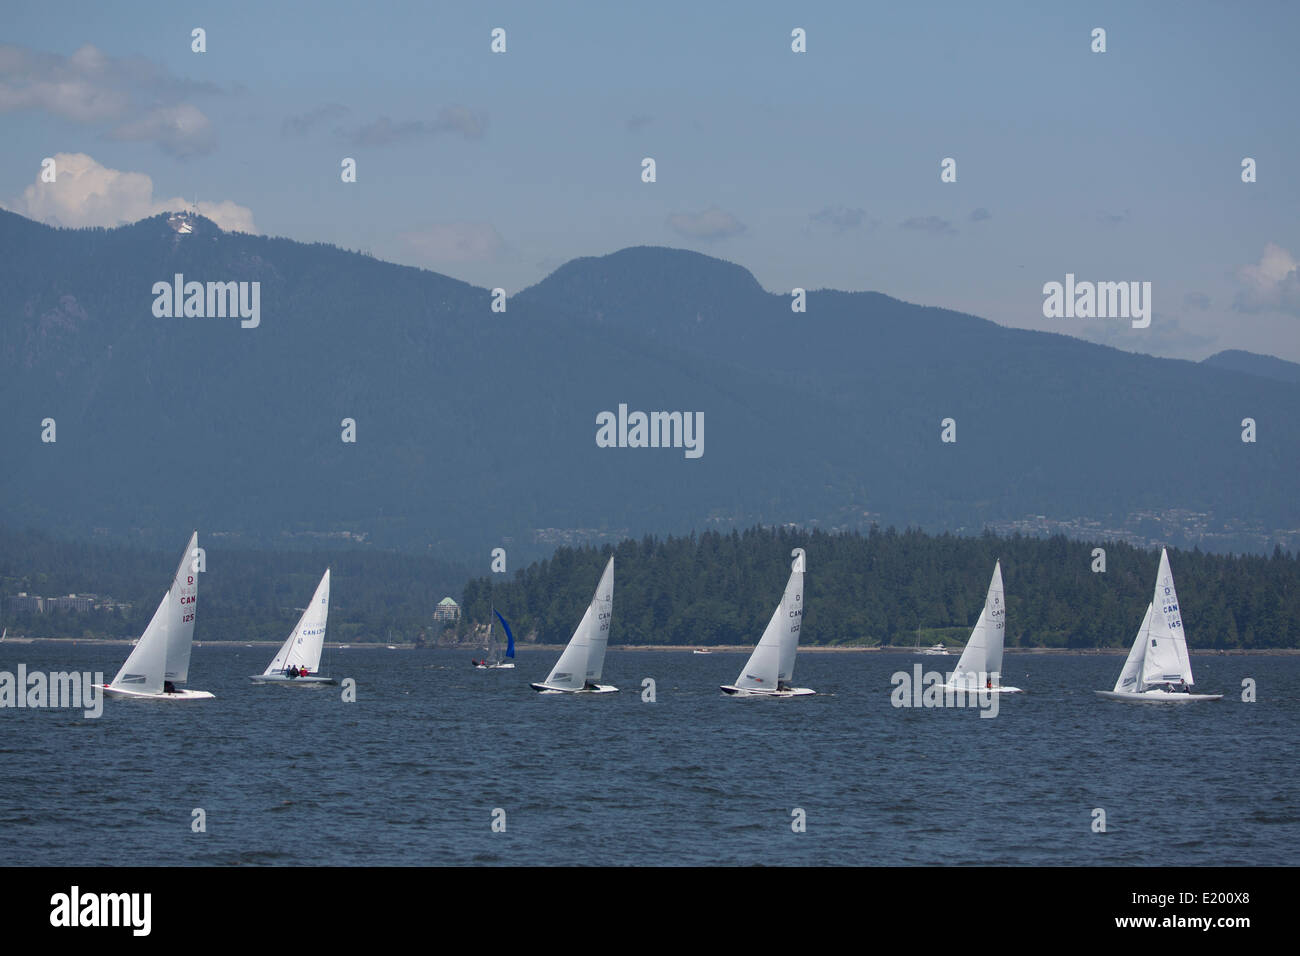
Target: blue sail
pixel 510 638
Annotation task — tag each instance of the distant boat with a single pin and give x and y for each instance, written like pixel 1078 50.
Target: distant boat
pixel 491 661
pixel 980 665
pixel 161 658
pixel 702 650
pixel 934 650
pixel 4 635
pixel 579 668
pixel 298 659
pixel 1158 669
pixel 770 669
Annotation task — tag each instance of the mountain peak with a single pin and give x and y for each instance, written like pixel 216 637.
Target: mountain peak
pixel 659 276
pixel 1252 363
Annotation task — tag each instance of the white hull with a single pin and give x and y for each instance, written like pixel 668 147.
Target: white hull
pixel 1155 696
pixel 137 695
pixel 733 691
pixel 934 653
pixel 975 689
pixel 508 666
pixel 312 680
pixel 701 652
pixel 598 689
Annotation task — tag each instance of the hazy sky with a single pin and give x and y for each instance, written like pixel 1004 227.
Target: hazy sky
pixel 816 169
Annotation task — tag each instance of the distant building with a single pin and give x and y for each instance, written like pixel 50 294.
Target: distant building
pixel 24 603
pixel 447 610
pixel 77 603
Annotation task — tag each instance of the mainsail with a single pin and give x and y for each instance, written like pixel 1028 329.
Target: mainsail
pixel 981 661
pixel 180 625
pixel 163 651
pixel 302 649
pixel 1166 660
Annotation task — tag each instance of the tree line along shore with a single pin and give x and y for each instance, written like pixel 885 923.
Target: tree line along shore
pixel 871 589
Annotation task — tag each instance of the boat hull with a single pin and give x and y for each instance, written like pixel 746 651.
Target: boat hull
pixel 1155 697
pixel 312 680
pixel 507 666
pixel 964 689
pixel 598 689
pixel 185 694
pixel 732 691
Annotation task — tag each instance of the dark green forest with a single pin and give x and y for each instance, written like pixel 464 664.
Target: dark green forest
pixel 245 595
pixel 877 587
pixel 880 587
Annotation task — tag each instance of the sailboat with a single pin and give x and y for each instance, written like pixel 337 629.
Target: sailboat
pixel 161 657
pixel 579 667
pixel 499 664
pixel 298 659
pixel 770 669
pixel 1158 669
pixel 980 665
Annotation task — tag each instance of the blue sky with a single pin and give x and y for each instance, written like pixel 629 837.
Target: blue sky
pixel 818 169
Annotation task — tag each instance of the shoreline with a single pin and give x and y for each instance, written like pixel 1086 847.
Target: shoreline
pixel 953 652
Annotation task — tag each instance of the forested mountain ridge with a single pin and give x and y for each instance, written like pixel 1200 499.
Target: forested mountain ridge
pixel 476 429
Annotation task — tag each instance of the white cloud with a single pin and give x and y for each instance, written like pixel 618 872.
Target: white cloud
pixel 713 223
pixel 1273 285
pixel 456 242
pixel 451 119
pixel 88 194
pixel 181 130
pixel 139 98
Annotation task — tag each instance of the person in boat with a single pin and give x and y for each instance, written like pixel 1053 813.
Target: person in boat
pixel 293 671
pixel 169 687
pixel 304 671
pixel 988 683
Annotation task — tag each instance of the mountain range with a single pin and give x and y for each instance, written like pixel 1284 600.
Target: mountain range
pixel 477 428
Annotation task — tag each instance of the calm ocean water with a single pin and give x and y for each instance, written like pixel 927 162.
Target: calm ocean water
pixel 410 773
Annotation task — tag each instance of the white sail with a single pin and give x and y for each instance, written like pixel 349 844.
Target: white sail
pixel 981 661
pixel 302 649
pixel 584 656
pixel 143 670
pixel 1166 659
pixel 762 670
pixel 180 624
pixel 1128 677
pixel 601 612
pixel 791 611
pixel 773 659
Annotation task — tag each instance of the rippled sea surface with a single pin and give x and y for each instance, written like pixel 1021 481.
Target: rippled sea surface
pixel 411 773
